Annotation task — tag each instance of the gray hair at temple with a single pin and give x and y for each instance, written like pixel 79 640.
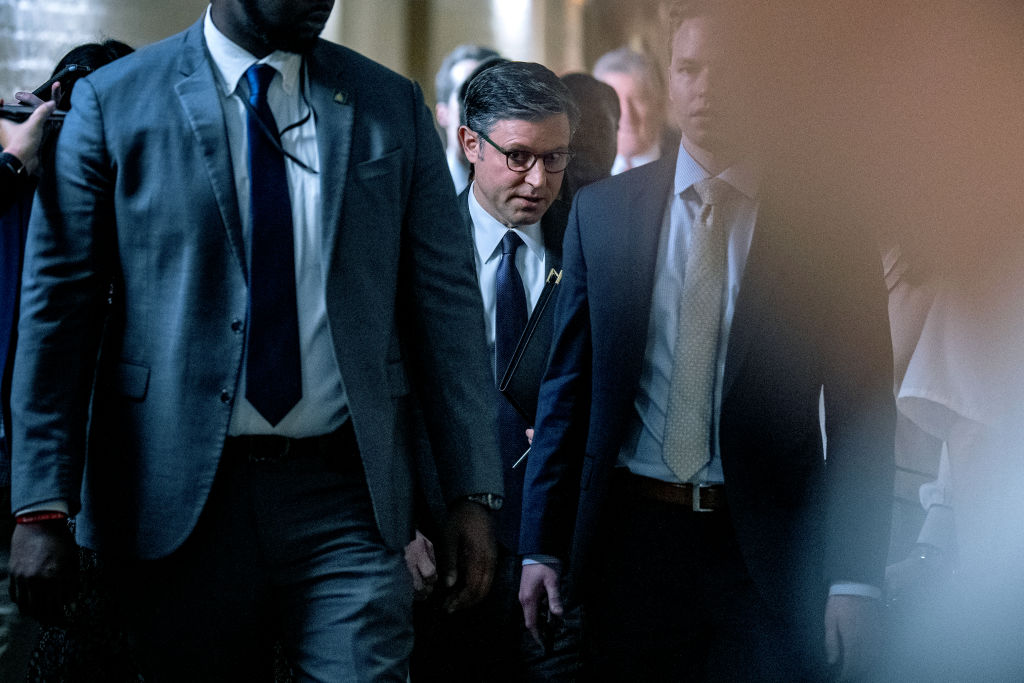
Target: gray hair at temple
pixel 444 84
pixel 524 91
pixel 640 66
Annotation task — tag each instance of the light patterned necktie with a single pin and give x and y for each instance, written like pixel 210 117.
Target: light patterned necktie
pixel 686 448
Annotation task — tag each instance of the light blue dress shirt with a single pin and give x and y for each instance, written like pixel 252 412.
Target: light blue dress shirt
pixel 642 450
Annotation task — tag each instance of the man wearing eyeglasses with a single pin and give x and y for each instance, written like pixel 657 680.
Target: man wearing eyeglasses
pixel 519 121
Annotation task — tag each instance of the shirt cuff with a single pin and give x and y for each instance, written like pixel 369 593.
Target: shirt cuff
pixel 863 590
pixel 549 560
pixel 46 506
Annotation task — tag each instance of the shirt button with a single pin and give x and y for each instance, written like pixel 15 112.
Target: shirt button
pixel 225 396
pixel 236 325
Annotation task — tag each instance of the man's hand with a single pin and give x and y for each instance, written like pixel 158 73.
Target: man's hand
pixel 469 554
pixel 529 436
pixel 539 588
pixel 22 139
pixel 422 565
pixel 916 579
pixel 852 634
pixel 44 569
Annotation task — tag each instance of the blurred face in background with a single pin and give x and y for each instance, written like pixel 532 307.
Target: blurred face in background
pixel 448 113
pixel 642 113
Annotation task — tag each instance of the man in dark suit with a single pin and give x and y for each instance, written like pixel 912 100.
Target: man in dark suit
pixel 242 275
pixel 678 462
pixel 519 121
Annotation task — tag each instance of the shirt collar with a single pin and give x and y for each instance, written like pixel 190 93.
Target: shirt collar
pixel 488 232
pixel 742 176
pixel 231 61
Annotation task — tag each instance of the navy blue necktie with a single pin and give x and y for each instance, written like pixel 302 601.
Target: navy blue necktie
pixel 510 303
pixel 510 320
pixel 274 375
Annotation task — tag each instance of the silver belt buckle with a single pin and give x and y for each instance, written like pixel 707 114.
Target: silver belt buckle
pixel 697 507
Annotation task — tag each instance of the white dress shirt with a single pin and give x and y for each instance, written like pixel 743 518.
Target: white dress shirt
pixel 531 261
pixel 324 405
pixel 624 163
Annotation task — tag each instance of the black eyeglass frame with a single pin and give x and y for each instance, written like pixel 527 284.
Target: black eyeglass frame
pixel 568 154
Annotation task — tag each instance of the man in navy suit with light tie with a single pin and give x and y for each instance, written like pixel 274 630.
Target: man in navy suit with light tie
pixel 270 217
pixel 678 463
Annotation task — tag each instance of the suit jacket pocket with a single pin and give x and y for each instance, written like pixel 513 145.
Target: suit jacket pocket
pixel 132 380
pixel 374 168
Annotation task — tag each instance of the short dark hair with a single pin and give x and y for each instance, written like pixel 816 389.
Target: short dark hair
pixel 444 84
pixel 525 91
pixel 681 10
pixel 92 55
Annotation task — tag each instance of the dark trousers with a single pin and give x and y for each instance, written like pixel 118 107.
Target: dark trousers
pixel 284 550
pixel 670 600
pixel 488 643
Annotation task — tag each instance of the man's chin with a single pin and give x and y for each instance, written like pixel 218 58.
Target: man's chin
pixel 299 43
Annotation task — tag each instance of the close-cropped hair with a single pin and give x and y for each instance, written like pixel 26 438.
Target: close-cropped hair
pixel 681 10
pixel 444 84
pixel 625 60
pixel 524 91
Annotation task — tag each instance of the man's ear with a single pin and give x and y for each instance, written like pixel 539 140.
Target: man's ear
pixel 470 142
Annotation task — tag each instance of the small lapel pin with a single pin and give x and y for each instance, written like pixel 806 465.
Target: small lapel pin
pixel 341 97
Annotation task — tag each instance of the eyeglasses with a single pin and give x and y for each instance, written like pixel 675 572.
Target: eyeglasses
pixel 521 161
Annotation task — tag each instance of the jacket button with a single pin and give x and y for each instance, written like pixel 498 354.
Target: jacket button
pixel 236 325
pixel 225 397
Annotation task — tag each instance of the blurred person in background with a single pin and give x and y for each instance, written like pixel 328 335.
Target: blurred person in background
pixel 594 143
pixel 640 84
pixel 455 69
pixel 84 629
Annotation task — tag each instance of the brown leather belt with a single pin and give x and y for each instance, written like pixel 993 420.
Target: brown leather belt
pixel 273 449
pixel 710 498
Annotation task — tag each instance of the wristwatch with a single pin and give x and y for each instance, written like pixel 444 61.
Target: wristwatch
pixel 14 164
pixel 490 501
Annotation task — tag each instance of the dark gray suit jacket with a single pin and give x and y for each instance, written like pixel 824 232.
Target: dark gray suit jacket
pixel 146 199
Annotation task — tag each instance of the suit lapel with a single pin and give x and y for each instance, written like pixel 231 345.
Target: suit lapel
pixel 552 227
pixel 196 90
pixel 752 302
pixel 640 236
pixel 333 108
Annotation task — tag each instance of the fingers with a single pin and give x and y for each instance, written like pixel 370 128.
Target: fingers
pixel 539 587
pixel 470 554
pixel 531 611
pixel 422 565
pixel 28 98
pixel 450 557
pixel 529 436
pixel 425 571
pixel 554 597
pixel 832 642
pixel 477 561
pixel 43 569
